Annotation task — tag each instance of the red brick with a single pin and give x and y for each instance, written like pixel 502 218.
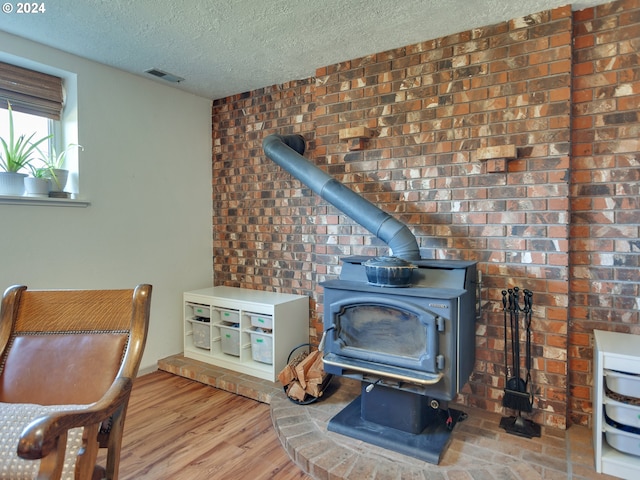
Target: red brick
pixel 584 41
pixel 581 392
pixel 555 366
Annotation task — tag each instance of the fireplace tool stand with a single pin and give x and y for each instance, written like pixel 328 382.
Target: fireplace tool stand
pixel 518 393
pixel 398 420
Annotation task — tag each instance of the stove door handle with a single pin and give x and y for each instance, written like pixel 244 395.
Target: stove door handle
pixel 323 339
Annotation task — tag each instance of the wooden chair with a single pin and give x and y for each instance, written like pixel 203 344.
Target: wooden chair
pixel 77 351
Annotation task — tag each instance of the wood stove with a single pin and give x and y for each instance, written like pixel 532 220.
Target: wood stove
pixel 413 348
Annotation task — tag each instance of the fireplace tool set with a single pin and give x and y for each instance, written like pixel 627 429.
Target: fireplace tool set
pixel 518 392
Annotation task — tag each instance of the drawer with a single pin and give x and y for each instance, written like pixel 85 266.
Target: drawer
pixel 261 346
pixel 230 339
pixel 201 311
pixel 626 442
pixel 623 383
pixel 201 334
pixel 622 412
pixel 227 315
pixel 261 321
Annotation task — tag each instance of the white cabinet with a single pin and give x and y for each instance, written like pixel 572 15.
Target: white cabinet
pixel 247 331
pixel 616 362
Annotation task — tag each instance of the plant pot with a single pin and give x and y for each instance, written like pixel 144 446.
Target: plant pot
pixel 12 183
pixel 36 187
pixel 57 183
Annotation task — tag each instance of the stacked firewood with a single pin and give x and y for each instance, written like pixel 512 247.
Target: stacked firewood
pixel 304 375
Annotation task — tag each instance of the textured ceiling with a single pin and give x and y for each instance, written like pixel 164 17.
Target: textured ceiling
pixel 223 47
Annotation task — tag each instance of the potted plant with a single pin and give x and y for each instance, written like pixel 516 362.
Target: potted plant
pixel 15 155
pixel 55 172
pixel 37 185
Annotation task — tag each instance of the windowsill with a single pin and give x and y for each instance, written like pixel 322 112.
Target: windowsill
pixel 43 201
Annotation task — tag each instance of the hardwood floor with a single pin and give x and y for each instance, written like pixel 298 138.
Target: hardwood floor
pixel 179 429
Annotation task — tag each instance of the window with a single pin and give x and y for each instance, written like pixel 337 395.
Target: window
pixel 37 102
pixel 27 124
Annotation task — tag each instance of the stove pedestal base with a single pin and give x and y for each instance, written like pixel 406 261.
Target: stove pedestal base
pixel 427 445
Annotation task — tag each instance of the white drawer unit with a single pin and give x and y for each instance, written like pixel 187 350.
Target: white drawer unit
pixel 616 442
pixel 247 331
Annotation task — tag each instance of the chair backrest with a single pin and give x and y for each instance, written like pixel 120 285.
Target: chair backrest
pixel 68 346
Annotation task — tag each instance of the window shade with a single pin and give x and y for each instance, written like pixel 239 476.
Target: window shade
pixel 31 92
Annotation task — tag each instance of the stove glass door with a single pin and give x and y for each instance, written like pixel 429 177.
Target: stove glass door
pixel 388 332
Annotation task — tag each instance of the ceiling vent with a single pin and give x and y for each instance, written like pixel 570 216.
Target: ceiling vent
pixel 169 77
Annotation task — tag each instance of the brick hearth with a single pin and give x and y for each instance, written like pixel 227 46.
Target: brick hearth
pixel 479 449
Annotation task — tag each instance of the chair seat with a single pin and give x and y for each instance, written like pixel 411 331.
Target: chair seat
pixel 14 417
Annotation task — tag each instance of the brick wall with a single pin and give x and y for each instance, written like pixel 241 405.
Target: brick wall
pixel 430 106
pixel 605 187
pixel 261 229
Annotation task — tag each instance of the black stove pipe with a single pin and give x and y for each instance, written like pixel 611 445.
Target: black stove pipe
pixel 287 150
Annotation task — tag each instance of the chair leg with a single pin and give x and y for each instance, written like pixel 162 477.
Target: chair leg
pixel 87 456
pixel 51 465
pixel 115 444
pixel 99 473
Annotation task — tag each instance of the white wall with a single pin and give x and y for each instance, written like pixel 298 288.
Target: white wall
pixel 146 169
